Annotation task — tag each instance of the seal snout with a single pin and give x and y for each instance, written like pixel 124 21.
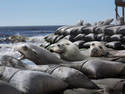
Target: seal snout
pixel 95 50
pixel 51 50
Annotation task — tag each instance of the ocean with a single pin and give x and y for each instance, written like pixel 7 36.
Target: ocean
pixel 34 33
pixel 27 31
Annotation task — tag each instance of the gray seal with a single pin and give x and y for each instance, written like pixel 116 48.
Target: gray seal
pixel 10 61
pixel 67 50
pixel 32 82
pixel 73 77
pixel 111 85
pixel 6 88
pixel 83 91
pixel 99 68
pixel 39 56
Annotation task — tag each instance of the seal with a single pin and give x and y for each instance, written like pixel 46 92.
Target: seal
pixel 67 50
pixel 79 37
pixel 111 85
pixel 6 88
pixel 90 37
pixel 83 91
pixel 32 82
pixel 115 45
pixel 110 69
pixel 69 75
pixel 38 55
pixel 112 30
pixel 10 61
pixel 51 38
pixel 79 43
pixel 97 49
pixel 108 21
pixel 94 70
pixel 73 77
pixel 116 37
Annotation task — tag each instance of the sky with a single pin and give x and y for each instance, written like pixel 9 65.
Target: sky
pixel 54 12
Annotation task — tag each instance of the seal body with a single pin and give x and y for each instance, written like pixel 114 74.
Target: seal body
pixel 73 77
pixel 38 55
pixel 67 50
pixel 83 91
pixel 6 88
pixel 32 82
pixel 10 61
pixel 111 85
pixel 98 68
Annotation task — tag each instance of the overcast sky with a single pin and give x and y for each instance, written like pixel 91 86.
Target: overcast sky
pixel 54 12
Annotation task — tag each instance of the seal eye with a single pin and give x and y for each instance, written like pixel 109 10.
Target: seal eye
pixel 67 43
pixel 25 48
pixel 59 45
pixel 93 44
pixel 100 47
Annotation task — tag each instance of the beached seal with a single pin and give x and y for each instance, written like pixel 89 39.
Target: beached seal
pixel 90 37
pixel 6 88
pixel 100 37
pixel 77 29
pixel 73 77
pixel 103 69
pixel 10 61
pixel 67 50
pixel 118 55
pixel 111 85
pixel 116 37
pixel 97 49
pixel 88 29
pixel 51 38
pixel 39 56
pixel 121 30
pixel 31 82
pixel 115 45
pixel 64 29
pixel 99 68
pixel 112 30
pixel 79 37
pixel 79 43
pixel 84 91
pixel 101 29
pixel 108 21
